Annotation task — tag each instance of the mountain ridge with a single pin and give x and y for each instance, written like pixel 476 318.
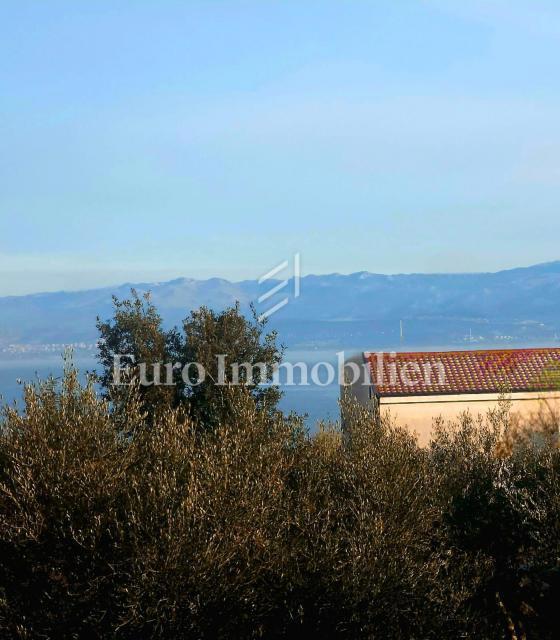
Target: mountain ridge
pixel 519 304
pixel 183 279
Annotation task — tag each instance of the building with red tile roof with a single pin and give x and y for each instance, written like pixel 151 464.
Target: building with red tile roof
pixel 416 387
pixel 488 371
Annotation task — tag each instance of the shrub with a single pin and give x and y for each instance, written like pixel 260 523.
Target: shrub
pixel 254 529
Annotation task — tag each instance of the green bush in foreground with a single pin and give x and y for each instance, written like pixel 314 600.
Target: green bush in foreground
pixel 254 529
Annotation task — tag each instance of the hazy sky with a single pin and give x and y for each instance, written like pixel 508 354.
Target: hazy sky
pixel 147 140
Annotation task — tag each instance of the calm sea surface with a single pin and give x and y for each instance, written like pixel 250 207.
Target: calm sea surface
pixel 318 402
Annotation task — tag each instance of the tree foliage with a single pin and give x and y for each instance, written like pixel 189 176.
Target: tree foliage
pixel 254 529
pixel 136 337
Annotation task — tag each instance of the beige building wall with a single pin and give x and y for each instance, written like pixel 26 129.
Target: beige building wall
pixel 418 413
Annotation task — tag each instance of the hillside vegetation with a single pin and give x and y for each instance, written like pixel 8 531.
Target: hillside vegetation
pixel 119 527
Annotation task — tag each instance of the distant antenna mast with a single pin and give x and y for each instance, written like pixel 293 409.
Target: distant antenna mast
pixel 402 331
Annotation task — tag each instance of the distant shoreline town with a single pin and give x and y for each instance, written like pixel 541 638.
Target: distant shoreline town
pixel 54 348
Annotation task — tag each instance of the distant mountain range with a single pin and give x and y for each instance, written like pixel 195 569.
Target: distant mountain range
pixel 360 310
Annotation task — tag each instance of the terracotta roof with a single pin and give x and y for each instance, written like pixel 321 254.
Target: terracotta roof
pixel 455 372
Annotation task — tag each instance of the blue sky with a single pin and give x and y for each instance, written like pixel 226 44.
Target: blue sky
pixel 149 140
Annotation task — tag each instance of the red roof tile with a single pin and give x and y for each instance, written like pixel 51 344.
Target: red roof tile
pixel 451 372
